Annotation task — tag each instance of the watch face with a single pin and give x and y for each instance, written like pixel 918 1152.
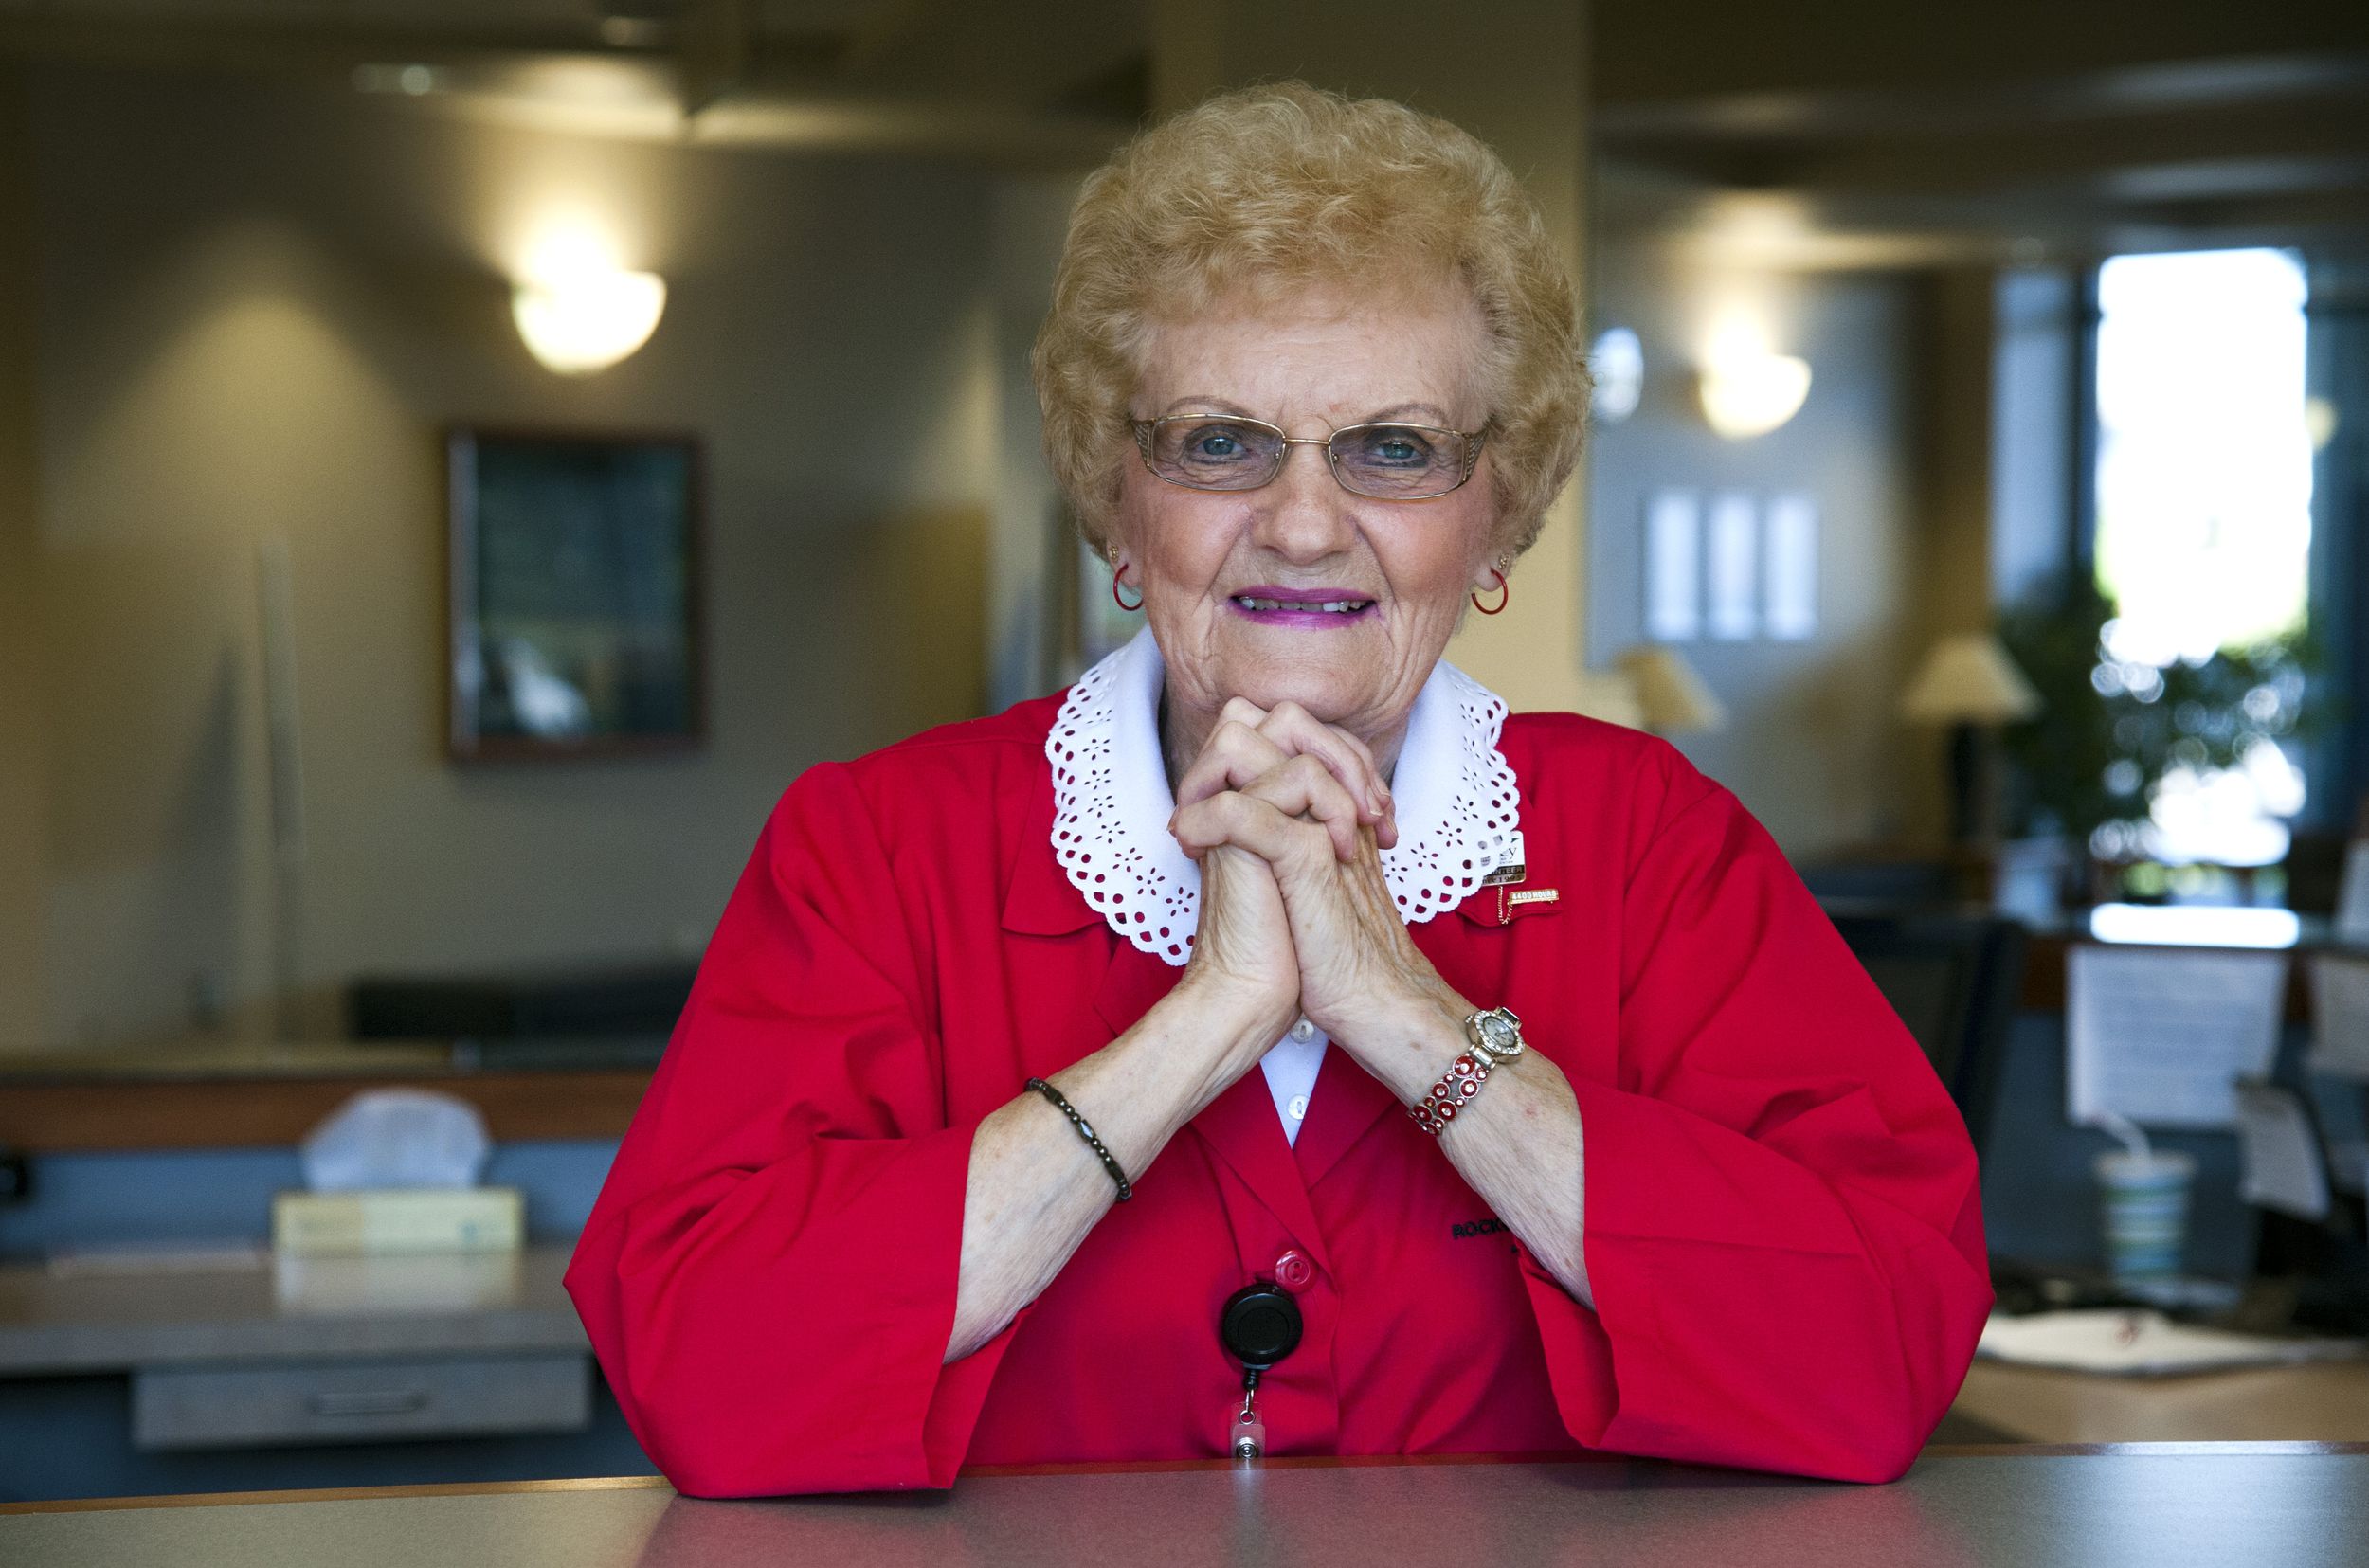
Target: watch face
pixel 1499 1032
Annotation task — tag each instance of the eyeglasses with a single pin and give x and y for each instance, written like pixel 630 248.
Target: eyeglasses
pixel 1391 463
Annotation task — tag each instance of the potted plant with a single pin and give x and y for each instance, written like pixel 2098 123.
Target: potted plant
pixel 2088 767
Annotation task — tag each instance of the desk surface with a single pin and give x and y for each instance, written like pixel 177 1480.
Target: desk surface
pixel 2216 1503
pixel 284 1308
pixel 2322 1402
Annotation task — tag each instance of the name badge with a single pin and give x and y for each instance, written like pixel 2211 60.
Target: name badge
pixel 1515 868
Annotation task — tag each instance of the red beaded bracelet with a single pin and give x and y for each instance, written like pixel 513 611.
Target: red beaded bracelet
pixel 1462 1080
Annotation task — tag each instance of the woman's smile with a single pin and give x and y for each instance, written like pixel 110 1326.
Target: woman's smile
pixel 1302 610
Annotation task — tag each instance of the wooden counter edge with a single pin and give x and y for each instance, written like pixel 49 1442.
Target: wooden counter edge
pixel 233 1113
pixel 337 1495
pixel 1149 1466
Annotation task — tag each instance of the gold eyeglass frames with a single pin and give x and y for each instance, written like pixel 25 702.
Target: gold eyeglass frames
pixel 1387 461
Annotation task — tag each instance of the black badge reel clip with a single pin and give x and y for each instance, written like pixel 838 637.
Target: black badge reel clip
pixel 1260 1325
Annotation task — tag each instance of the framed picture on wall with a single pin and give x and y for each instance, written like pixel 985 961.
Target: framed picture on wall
pixel 573 594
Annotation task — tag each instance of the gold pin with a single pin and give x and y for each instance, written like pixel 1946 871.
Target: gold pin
pixel 1507 898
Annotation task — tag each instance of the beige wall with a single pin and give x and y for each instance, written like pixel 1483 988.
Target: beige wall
pixel 1956 345
pixel 1026 602
pixel 256 307
pixel 1957 451
pixel 21 732
pixel 1513 74
pixel 1812 745
pixel 242 314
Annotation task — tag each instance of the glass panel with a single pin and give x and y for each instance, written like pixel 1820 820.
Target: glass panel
pixel 1398 459
pixel 2204 458
pixel 2204 513
pixel 1216 454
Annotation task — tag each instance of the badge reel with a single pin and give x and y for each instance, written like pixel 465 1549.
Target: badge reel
pixel 1259 1324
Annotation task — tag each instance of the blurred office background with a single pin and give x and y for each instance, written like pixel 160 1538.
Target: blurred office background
pixel 1977 489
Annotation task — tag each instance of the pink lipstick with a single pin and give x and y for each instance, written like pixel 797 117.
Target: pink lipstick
pixel 1319 607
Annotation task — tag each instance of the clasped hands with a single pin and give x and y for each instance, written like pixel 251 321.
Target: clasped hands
pixel 1287 817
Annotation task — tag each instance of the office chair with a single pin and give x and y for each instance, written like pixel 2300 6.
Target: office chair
pixel 1954 978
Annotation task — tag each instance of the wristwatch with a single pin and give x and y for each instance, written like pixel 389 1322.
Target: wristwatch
pixel 1496 1038
pixel 1496 1035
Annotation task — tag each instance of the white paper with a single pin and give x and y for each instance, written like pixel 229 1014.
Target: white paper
pixel 2340 1017
pixel 2135 1343
pixel 2279 1164
pixel 1674 566
pixel 156 1257
pixel 2352 903
pixel 1792 570
pixel 397 1138
pixel 1733 567
pixel 2162 1037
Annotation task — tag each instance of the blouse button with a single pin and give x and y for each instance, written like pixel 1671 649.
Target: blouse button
pixel 1292 1270
pixel 1303 1031
pixel 1298 1107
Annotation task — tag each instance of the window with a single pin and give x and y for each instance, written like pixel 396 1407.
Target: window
pixel 2203 520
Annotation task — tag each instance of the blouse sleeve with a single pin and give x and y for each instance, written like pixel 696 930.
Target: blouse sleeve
pixel 767 1276
pixel 1782 1226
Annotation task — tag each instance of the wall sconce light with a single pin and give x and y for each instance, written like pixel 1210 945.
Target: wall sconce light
pixel 1751 392
pixel 1617 363
pixel 580 313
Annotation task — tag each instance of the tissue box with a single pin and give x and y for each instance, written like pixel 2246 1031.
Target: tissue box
pixel 407 1219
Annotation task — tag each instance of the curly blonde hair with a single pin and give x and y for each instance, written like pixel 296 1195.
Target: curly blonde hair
pixel 1283 186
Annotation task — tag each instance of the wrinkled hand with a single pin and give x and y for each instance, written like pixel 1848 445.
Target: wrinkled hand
pixel 1304 802
pixel 1245 947
pixel 1251 742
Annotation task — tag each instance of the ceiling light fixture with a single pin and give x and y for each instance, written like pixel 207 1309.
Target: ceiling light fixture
pixel 578 311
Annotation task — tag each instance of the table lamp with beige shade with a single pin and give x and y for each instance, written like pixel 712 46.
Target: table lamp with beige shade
pixel 1671 698
pixel 1969 682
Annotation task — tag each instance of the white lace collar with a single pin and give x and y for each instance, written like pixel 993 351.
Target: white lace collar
pixel 1458 805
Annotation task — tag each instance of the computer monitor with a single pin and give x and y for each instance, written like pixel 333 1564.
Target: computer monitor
pixel 1954 978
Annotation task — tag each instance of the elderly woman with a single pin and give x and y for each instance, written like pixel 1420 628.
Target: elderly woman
pixel 1268 1044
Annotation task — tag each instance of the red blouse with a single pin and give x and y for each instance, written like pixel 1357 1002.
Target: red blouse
pixel 1782 1230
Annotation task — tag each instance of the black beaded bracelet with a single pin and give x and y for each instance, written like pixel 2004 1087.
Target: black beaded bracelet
pixel 1086 1132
